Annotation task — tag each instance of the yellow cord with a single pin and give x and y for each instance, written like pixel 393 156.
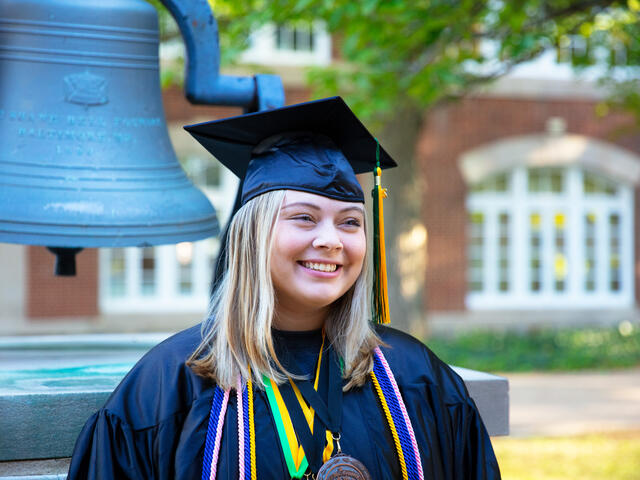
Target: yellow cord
pixel 392 427
pixel 252 430
pixel 382 194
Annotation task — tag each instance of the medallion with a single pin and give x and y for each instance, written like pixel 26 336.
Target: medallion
pixel 343 467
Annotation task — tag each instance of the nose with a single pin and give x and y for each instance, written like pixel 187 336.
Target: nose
pixel 327 237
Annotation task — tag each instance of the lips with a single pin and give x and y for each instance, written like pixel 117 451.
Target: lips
pixel 320 267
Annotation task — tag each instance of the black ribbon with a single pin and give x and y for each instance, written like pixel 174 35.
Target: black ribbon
pixel 329 414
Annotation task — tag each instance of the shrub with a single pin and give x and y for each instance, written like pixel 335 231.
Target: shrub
pixel 546 349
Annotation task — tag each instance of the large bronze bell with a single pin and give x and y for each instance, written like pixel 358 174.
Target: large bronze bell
pixel 85 157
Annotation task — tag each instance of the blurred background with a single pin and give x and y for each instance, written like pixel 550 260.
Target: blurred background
pixel 511 221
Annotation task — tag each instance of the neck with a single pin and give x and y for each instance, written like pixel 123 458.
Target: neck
pixel 295 319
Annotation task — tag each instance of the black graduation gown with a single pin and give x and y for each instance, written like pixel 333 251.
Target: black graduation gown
pixel 154 424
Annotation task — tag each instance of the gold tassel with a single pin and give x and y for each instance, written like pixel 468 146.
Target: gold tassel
pixel 381 297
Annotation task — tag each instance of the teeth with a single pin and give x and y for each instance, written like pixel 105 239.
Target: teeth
pixel 322 267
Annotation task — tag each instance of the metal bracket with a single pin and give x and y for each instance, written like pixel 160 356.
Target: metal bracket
pixel 203 82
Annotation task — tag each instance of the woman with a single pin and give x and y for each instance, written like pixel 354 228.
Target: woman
pixel 288 378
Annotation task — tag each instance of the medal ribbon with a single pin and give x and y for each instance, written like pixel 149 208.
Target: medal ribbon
pixel 293 438
pixel 330 416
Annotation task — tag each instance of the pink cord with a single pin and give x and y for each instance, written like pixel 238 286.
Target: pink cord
pixel 392 379
pixel 240 430
pixel 216 445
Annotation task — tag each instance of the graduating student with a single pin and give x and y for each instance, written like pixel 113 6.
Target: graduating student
pixel 289 377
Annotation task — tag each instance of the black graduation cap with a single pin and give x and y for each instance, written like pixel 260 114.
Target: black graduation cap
pixel 315 146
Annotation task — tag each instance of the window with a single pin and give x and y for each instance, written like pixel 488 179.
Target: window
pixel 598 185
pixel 549 238
pixel 535 253
pixel 497 183
pixel 148 265
pixel 298 38
pixel 503 252
pixel 560 262
pixel 184 257
pixel 614 252
pixel 596 49
pixel 545 180
pixel 474 254
pixel 117 281
pixel 590 251
pixel 291 44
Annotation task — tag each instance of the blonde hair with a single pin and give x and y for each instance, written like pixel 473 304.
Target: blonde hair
pixel 236 336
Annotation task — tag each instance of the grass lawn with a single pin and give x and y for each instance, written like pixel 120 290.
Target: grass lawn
pixel 603 456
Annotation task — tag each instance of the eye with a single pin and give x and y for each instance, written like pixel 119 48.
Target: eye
pixel 303 217
pixel 353 222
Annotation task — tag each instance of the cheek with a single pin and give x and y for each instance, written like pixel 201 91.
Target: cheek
pixel 357 250
pixel 284 249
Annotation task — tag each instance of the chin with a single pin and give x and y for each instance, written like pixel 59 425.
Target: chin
pixel 320 301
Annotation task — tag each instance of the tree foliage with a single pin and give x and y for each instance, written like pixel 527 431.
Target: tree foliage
pixel 398 53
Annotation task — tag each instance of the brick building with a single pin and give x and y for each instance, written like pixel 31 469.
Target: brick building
pixel 529 204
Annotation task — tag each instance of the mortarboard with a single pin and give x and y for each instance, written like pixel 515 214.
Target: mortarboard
pixel 316 147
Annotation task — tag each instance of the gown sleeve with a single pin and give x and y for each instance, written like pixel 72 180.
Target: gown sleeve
pixel 108 448
pixel 474 456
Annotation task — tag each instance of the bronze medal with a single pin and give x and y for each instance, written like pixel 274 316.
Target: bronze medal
pixel 343 467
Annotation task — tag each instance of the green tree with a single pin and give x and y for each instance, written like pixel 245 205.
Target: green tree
pixel 398 58
pixel 417 53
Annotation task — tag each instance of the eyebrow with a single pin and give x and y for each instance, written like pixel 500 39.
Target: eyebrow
pixel 317 208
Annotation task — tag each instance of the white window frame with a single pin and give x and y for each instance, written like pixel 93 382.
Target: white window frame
pixel 519 203
pixel 263 49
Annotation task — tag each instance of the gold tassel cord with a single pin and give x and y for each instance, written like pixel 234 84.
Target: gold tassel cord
pixel 380 293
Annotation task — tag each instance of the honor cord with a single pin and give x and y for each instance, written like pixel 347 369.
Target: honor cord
pixel 241 436
pixel 389 394
pixel 392 427
pixel 252 431
pixel 414 443
pixel 214 433
pixel 246 432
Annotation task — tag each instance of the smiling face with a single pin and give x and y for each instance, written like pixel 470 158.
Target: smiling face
pixel 317 252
